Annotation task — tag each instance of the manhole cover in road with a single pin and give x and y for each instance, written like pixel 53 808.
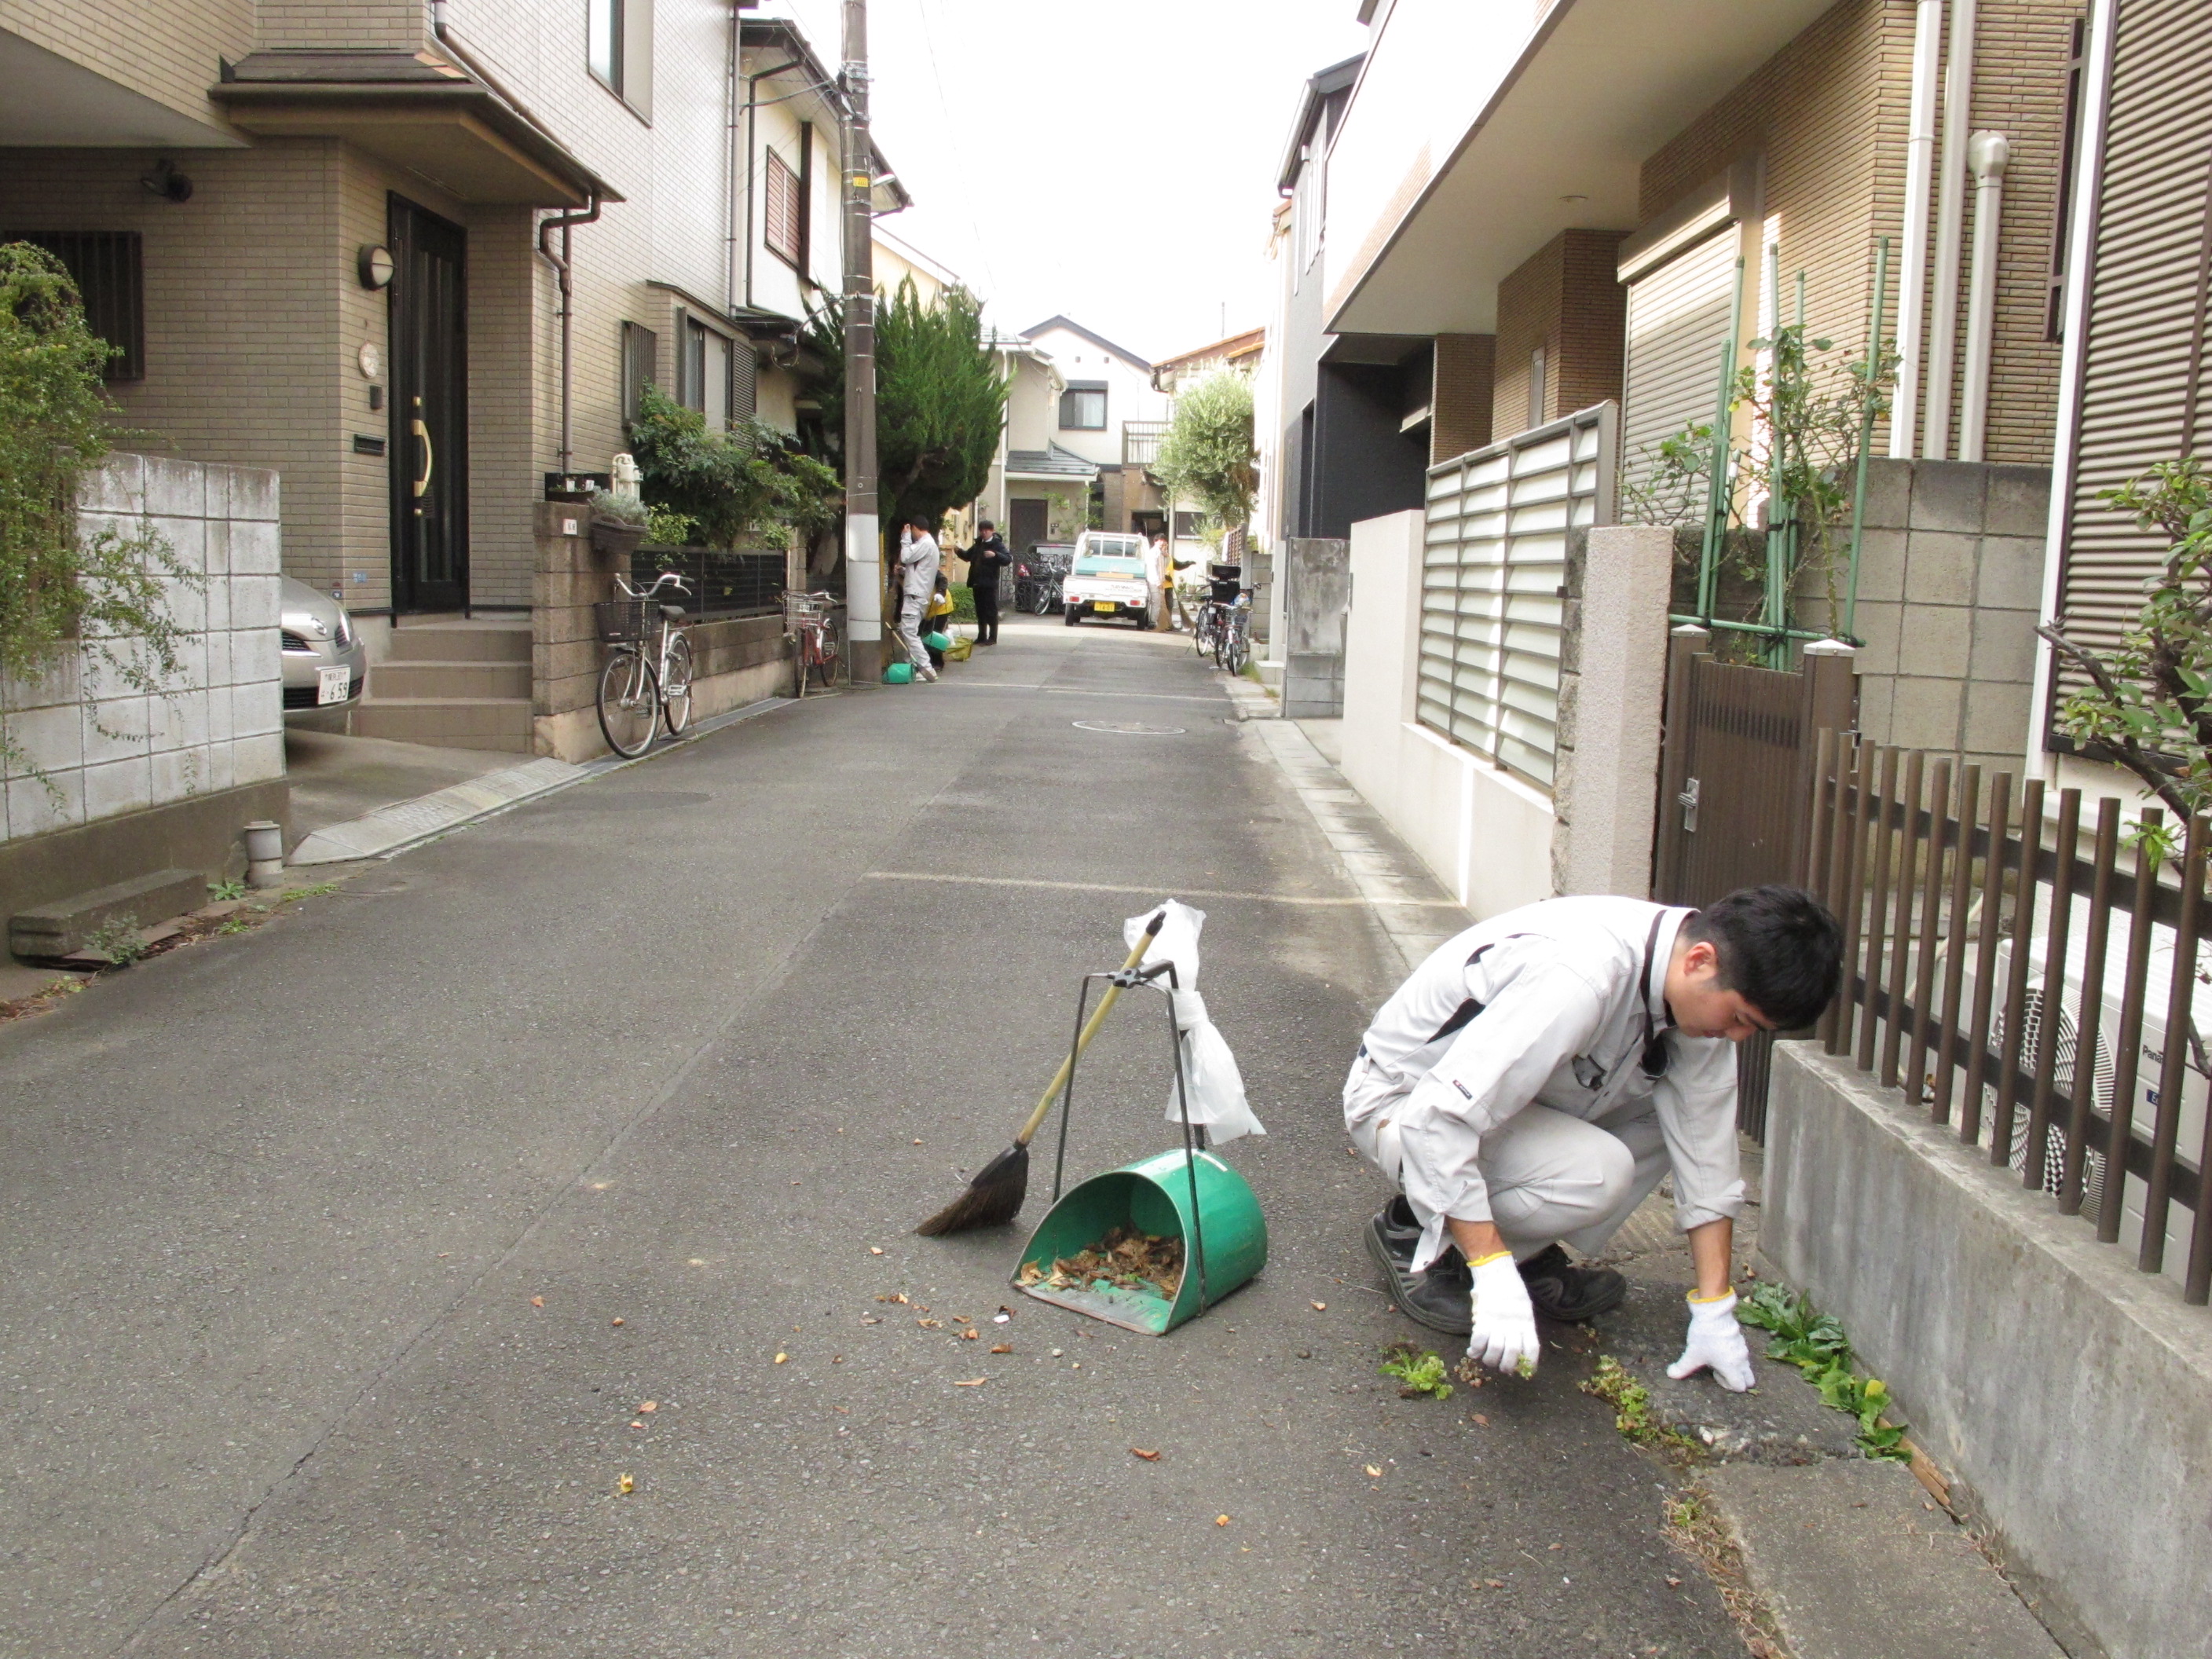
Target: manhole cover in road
pixel 1130 728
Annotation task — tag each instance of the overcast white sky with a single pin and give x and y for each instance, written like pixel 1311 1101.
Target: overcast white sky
pixel 1114 160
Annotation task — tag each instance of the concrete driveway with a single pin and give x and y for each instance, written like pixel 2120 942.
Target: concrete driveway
pixel 342 1259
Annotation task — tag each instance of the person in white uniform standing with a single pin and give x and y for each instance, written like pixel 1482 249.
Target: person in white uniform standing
pixel 918 560
pixel 1532 1081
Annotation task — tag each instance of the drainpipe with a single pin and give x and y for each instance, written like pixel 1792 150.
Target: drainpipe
pixel 1919 172
pixel 1987 154
pixel 563 271
pixel 1950 209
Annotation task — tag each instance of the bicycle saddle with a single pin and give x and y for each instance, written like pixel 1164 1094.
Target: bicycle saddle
pixel 673 612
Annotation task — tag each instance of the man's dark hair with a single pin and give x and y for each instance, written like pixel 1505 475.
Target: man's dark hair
pixel 987 525
pixel 1778 947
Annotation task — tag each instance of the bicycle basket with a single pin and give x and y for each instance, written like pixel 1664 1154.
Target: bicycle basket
pixel 805 607
pixel 621 622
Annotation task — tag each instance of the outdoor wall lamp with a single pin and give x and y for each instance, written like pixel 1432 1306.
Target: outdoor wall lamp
pixel 165 182
pixel 376 266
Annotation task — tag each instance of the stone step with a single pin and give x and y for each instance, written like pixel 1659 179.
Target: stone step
pixel 453 677
pixel 503 724
pixel 55 930
pixel 460 642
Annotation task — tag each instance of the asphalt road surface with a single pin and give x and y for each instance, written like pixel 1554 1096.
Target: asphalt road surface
pixel 342 1259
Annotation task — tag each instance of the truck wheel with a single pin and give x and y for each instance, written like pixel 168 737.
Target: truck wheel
pixel 1073 615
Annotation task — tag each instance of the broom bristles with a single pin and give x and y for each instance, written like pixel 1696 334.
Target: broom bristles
pixel 993 1197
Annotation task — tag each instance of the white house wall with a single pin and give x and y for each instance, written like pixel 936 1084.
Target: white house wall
pixel 1129 394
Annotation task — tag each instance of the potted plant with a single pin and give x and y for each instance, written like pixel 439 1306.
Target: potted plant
pixel 618 524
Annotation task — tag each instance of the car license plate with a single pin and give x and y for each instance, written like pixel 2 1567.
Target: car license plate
pixel 1104 605
pixel 333 685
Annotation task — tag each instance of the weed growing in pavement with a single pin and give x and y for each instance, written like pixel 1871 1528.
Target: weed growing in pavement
pixel 118 940
pixel 226 892
pixel 1632 1408
pixel 1420 1374
pixel 316 891
pixel 1816 1343
pixel 1695 1529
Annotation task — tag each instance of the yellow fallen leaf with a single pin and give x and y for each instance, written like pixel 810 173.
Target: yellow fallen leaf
pixel 972 1383
pixel 875 1249
pixel 624 1484
pixel 649 1406
pixel 537 1301
pixel 930 1324
pixel 617 1322
pixel 1220 1520
pixel 1002 1347
pixel 1149 1457
pixel 969 1336
pixel 780 1357
pixel 1321 1307
pixel 1374 1473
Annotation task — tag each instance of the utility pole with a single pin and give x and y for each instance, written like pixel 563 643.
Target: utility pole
pixel 863 581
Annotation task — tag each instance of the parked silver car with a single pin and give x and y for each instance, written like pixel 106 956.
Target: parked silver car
pixel 326 664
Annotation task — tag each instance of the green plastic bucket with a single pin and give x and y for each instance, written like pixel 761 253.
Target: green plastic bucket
pixel 1153 1196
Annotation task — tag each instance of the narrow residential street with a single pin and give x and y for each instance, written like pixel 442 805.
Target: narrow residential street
pixel 346 1255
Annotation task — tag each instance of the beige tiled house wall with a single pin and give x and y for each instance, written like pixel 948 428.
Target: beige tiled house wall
pixel 168 49
pixel 245 359
pixel 1566 298
pixel 401 25
pixel 1829 113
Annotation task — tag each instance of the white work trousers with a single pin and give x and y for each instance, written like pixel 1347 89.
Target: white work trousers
pixel 909 630
pixel 1552 1178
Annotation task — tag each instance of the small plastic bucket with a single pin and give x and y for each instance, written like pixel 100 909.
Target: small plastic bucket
pixel 899 673
pixel 1153 1196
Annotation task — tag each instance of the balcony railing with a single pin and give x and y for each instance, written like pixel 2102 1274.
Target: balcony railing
pixel 1140 441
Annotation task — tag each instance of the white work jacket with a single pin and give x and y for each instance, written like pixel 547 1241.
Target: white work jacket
pixel 921 558
pixel 1547 1004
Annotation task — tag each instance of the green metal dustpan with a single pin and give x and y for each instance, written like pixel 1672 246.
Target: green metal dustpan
pixel 1224 1238
pixel 1186 1193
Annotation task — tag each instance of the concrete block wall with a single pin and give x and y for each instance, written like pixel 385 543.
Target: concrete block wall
pixel 1828 114
pixel 110 749
pixel 1950 575
pixel 2060 1391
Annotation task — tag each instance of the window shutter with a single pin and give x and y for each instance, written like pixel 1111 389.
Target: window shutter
pixel 640 365
pixel 2143 345
pixel 744 380
pixel 782 222
pixel 1678 319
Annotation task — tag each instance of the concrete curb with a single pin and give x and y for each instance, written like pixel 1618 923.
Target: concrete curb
pixel 403 825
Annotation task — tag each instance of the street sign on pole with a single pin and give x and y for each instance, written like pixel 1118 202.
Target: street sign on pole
pixel 863 584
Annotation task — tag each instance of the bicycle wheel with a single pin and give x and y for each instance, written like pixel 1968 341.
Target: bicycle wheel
pixel 800 643
pixel 1234 650
pixel 826 654
pixel 629 702
pixel 675 684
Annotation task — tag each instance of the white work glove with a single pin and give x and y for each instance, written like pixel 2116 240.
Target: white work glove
pixel 1504 1334
pixel 1716 1340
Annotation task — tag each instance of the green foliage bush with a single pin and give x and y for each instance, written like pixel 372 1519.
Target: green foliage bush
pixel 1207 455
pixel 102 596
pixel 940 400
pixel 749 484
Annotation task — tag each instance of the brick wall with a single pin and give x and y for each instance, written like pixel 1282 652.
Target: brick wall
pixel 167 50
pixel 1830 113
pixel 1460 394
pixel 1566 299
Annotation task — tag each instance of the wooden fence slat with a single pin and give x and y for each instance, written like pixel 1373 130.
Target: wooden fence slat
pixel 1954 954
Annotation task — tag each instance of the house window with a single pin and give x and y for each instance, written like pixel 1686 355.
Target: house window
pixel 605 19
pixel 1536 388
pixel 1083 407
pixel 641 366
pixel 104 266
pixel 1187 526
pixel 705 383
pixel 785 205
pixel 2054 310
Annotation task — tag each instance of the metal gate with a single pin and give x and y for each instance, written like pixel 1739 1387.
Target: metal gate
pixel 1736 789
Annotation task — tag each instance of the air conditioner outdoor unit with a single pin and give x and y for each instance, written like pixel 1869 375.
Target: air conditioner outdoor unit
pixel 2068 1064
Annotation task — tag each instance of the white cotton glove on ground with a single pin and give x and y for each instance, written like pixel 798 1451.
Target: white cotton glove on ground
pixel 1504 1334
pixel 1716 1340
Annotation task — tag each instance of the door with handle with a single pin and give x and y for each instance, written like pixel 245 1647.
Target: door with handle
pixel 429 410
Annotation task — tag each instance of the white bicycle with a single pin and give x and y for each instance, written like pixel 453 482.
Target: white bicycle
pixel 648 677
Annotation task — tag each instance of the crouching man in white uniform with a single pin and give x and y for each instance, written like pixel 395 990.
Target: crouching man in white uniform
pixel 1532 1081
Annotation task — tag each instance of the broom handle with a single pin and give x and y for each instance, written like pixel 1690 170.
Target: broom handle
pixel 1090 1029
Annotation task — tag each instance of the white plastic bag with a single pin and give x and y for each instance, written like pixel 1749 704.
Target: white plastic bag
pixel 1217 1088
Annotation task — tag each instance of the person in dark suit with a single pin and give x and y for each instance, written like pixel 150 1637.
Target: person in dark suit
pixel 985 559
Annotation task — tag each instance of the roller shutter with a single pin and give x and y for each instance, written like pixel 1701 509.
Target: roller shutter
pixel 1678 321
pixel 2143 344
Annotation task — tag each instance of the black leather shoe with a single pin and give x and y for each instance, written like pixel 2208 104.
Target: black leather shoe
pixel 1438 1298
pixel 1559 1290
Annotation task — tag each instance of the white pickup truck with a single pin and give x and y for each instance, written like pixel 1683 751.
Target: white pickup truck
pixel 1110 578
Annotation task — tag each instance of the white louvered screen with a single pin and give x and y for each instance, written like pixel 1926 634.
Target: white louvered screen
pixel 1678 321
pixel 1493 584
pixel 2137 371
